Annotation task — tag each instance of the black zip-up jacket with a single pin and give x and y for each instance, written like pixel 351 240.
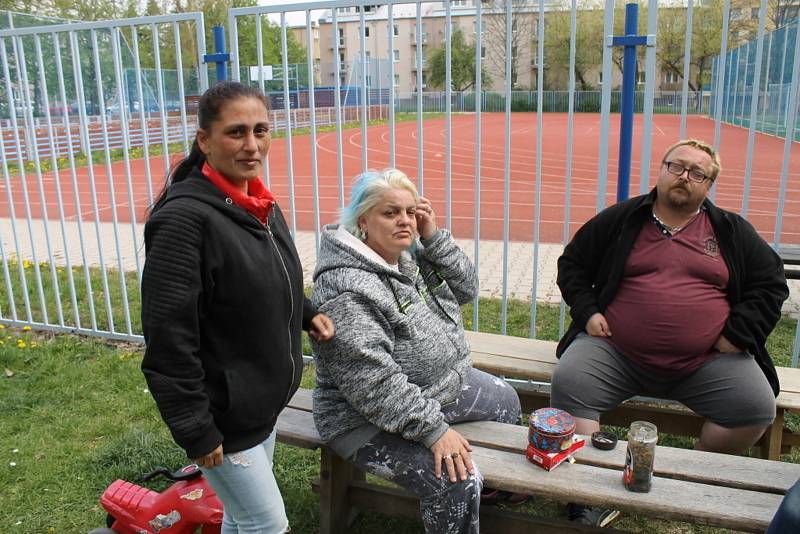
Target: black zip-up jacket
pixel 593 264
pixel 222 311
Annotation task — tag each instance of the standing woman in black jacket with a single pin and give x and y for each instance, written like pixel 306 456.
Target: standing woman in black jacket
pixel 223 307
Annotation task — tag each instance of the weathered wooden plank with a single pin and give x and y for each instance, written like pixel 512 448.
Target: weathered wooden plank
pixel 336 475
pixel 396 502
pixel 296 427
pixel 680 464
pixel 390 500
pixel 302 400
pixel 513 367
pixel 771 441
pixel 669 499
pixel 534 359
pixel 789 397
pixel 511 346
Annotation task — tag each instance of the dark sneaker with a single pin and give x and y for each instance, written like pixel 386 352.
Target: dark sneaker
pixel 589 515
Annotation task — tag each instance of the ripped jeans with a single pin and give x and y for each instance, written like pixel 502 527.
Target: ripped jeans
pixel 446 507
pixel 247 488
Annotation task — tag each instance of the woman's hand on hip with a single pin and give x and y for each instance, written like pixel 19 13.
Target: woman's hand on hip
pixel 212 459
pixel 426 218
pixel 322 328
pixel 454 451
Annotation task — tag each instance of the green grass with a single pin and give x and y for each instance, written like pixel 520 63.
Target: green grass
pixel 75 415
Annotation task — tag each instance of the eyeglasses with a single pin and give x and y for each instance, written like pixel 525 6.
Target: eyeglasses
pixel 695 175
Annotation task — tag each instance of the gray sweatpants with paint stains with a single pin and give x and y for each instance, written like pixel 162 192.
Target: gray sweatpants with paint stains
pixel 447 507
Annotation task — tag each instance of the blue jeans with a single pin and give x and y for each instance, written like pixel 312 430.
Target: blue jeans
pixel 249 492
pixel 787 518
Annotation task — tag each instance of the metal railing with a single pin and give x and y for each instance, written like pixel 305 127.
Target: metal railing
pixel 72 257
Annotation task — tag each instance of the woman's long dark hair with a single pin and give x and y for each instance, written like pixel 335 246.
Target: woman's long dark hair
pixel 208 110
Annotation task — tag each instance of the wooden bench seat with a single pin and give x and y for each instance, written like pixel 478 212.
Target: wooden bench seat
pixel 712 489
pixel 533 361
pixel 791 261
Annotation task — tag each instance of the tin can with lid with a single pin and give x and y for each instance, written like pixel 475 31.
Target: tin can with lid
pixel 638 473
pixel 551 429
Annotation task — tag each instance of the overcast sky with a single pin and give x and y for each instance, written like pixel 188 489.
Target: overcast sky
pixel 293 18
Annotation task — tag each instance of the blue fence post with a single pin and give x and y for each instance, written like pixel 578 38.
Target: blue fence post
pixel 630 41
pixel 220 57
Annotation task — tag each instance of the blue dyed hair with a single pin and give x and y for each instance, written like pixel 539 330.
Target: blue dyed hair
pixel 366 193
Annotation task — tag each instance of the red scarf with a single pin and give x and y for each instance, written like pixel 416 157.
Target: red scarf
pixel 257 201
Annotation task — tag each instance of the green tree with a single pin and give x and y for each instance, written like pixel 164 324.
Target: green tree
pixel 522 35
pixel 706 39
pixel 588 49
pixel 462 64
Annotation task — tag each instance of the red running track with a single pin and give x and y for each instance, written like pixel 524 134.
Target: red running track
pixel 763 200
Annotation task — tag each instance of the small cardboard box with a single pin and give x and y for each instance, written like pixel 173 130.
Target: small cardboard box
pixel 550 460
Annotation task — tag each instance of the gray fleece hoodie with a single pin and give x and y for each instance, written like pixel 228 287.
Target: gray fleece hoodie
pixel 399 352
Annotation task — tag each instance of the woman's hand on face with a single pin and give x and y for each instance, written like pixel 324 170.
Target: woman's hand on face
pixel 454 451
pixel 322 328
pixel 212 459
pixel 426 218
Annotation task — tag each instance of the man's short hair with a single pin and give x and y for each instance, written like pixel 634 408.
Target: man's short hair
pixel 716 165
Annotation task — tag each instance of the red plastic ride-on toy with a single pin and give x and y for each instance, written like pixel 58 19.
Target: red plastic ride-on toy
pixel 183 508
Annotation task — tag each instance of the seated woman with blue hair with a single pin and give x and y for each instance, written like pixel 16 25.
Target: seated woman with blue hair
pixel 398 372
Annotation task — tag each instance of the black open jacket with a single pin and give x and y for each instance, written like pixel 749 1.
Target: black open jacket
pixel 222 311
pixel 593 264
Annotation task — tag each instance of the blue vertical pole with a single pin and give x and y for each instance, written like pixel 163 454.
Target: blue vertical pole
pixel 219 48
pixel 628 93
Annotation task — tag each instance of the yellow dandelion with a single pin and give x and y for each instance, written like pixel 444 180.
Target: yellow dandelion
pixel 2 343
pixel 34 344
pixel 2 327
pixel 21 345
pixel 26 328
pixel 26 264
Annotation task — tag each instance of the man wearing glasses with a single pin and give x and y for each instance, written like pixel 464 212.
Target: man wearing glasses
pixel 671 297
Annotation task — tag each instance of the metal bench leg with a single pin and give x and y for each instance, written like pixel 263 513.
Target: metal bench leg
pixel 335 513
pixel 771 440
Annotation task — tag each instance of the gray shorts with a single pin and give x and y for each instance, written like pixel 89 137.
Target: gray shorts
pixel 592 378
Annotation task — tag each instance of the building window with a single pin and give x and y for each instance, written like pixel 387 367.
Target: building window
pixel 368 55
pixel 343 9
pixel 753 12
pixel 600 77
pixel 342 79
pixel 513 24
pixel 640 77
pixel 514 51
pixel 458 3
pixel 483 52
pixel 396 30
pixel 424 80
pixel 369 80
pixel 396 54
pixel 671 77
pixel 341 36
pixel 341 57
pixel 396 80
pixel 366 31
pixel 736 13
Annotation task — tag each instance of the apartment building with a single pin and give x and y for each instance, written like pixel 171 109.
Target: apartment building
pixel 345 47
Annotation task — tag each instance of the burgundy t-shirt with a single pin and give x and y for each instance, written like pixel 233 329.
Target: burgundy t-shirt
pixel 671 305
